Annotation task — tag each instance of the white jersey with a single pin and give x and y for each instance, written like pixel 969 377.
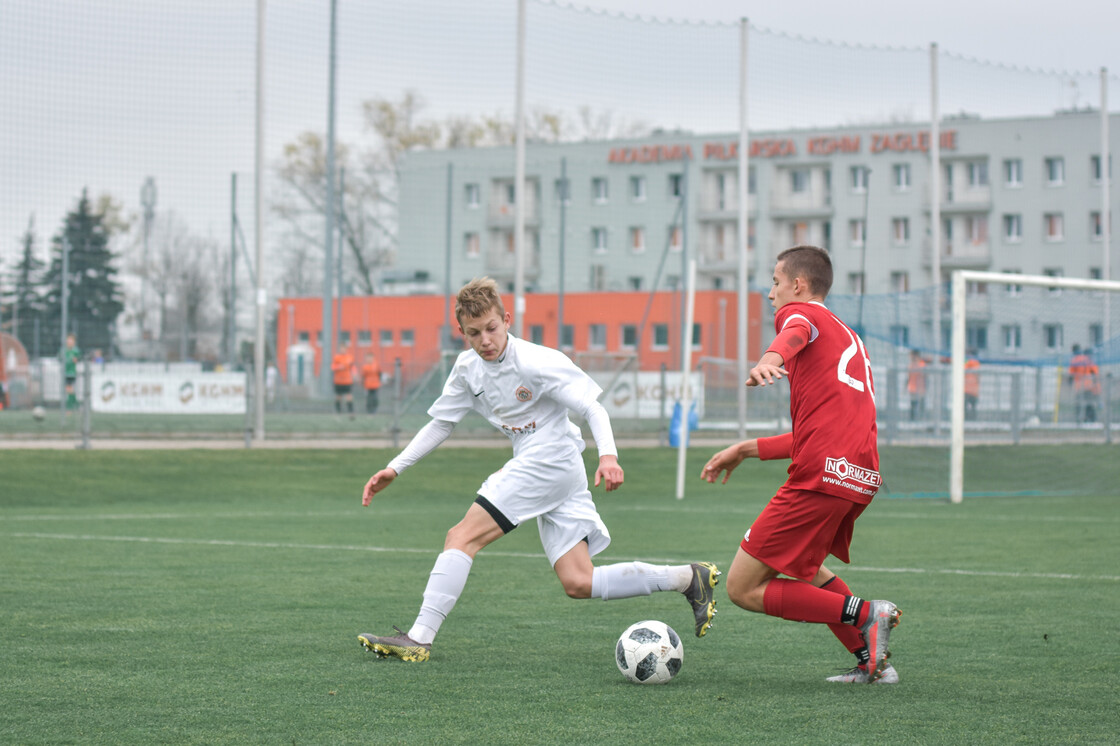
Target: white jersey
pixel 526 393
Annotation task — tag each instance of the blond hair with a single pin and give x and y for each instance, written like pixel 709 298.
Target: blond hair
pixel 476 298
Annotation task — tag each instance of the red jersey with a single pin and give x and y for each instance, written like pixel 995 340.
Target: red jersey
pixel 832 405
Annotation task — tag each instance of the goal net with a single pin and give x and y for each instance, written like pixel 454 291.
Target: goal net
pixel 1033 365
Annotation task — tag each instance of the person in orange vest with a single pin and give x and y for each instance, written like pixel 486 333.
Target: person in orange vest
pixel 971 385
pixel 343 368
pixel 371 379
pixel 1086 385
pixel 916 385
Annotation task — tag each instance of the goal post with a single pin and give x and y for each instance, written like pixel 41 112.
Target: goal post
pixel 961 280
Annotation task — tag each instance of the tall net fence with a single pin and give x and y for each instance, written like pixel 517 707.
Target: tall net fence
pixel 130 158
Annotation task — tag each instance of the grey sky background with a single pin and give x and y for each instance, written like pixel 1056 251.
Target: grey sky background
pixel 103 93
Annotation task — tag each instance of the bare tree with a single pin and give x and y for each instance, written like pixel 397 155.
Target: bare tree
pixel 183 273
pixel 369 195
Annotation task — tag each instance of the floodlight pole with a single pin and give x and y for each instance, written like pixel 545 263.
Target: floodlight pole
pixel 327 345
pixel 258 229
pixel 148 201
pixel 519 183
pixel 744 228
pixel 1106 198
pixel 934 193
pixel 65 318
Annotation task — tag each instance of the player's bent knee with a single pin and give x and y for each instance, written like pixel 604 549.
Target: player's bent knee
pixel 577 588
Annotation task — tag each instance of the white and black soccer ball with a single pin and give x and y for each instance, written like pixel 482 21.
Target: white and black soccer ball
pixel 38 413
pixel 649 652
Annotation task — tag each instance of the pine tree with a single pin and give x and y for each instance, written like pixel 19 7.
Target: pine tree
pixel 23 305
pixel 95 296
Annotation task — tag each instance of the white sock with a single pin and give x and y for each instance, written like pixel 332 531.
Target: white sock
pixel 445 584
pixel 629 579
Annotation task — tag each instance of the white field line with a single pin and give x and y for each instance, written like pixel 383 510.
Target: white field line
pixel 949 514
pixel 525 555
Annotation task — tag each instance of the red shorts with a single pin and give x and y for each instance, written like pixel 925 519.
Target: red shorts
pixel 797 529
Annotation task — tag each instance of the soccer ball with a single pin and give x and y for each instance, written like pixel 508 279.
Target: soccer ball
pixel 38 413
pixel 649 652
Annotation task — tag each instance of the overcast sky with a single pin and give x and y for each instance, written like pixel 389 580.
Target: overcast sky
pixel 1074 35
pixel 105 93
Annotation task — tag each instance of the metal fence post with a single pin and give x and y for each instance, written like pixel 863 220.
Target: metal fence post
pixel 1016 406
pixel 397 390
pixel 248 428
pixel 87 404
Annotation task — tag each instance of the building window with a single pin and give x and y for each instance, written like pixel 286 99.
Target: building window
pixel 799 180
pixel 1096 335
pixel 900 335
pixel 510 190
pixel 1052 333
pixel 365 338
pixel 638 188
pixel 304 337
pixel 408 337
pixel 752 181
pixel 676 185
pixel 1096 227
pixel 1054 272
pixel 471 245
pixel 629 337
pixel 799 233
pixel 536 334
pixel 344 339
pixel 562 189
pixel 599 240
pixel 1013 290
pixel 1013 172
pixel 977 226
pixel 472 195
pixel 1095 168
pixel 637 240
pixel 976 337
pixel 900 282
pixel 634 282
pixel 900 231
pixel 1013 228
pixel 598 279
pixel 567 336
pixel 855 283
pixel 660 337
pixel 1012 338
pixel 1095 273
pixel 697 336
pixel 1055 171
pixel 901 176
pixel 978 174
pixel 599 191
pixel 676 238
pixel 386 338
pixel 857 232
pixel 1053 226
pixel 859 178
pixel 597 337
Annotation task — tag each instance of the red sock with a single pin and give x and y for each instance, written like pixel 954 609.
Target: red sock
pixel 848 635
pixel 799 601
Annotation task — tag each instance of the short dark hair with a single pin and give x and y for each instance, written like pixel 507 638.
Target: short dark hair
pixel 810 263
pixel 476 298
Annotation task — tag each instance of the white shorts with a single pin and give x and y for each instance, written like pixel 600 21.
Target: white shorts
pixel 556 495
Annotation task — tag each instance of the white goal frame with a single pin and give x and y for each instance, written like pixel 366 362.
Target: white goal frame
pixel 960 280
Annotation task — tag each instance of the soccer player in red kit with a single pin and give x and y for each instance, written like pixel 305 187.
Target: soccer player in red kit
pixel 833 475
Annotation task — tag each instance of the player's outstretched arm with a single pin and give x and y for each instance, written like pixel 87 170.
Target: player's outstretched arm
pixel 726 460
pixel 610 472
pixel 376 483
pixel 770 369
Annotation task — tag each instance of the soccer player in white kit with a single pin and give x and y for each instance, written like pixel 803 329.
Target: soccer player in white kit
pixel 526 390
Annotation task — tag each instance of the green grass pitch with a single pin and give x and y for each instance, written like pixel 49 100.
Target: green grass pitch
pixel 215 597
